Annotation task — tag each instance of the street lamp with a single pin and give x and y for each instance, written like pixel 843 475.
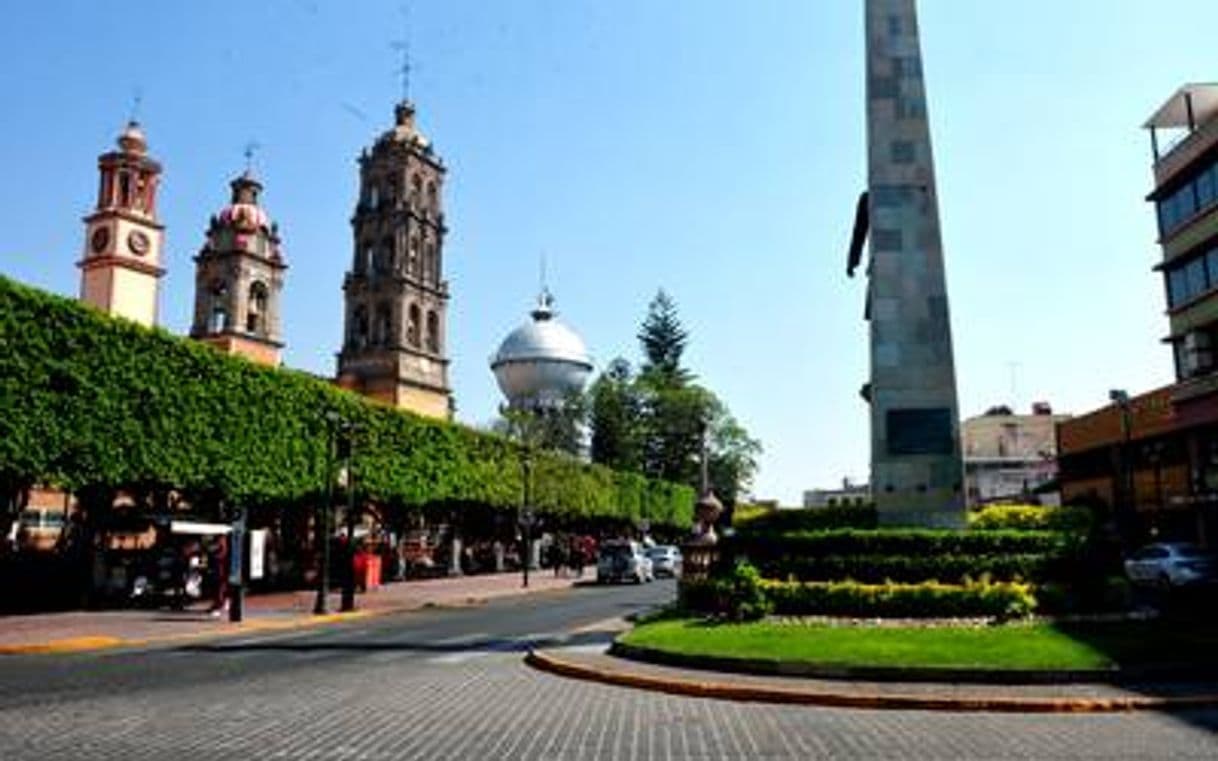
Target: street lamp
pixel 1120 398
pixel 321 605
pixel 346 444
pixel 527 517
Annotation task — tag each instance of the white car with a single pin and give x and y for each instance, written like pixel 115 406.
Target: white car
pixel 622 560
pixel 1171 564
pixel 665 560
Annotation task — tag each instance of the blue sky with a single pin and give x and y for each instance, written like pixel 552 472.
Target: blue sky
pixel 711 148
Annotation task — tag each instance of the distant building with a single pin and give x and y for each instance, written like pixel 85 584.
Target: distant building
pixel 851 494
pixel 1008 456
pixel 394 346
pixel 1151 459
pixel 238 279
pixel 120 271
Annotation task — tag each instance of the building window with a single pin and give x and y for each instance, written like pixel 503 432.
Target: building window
pixel 433 333
pixel 218 318
pixel 412 326
pixel 124 189
pixel 374 196
pixel 359 327
pixel 429 263
pixel 383 325
pixel 902 152
pixel 413 263
pixel 255 315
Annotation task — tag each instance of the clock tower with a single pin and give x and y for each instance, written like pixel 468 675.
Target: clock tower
pixel 121 267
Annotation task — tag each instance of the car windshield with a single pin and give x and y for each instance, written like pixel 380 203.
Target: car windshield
pixel 615 550
pixel 658 552
pixel 1190 551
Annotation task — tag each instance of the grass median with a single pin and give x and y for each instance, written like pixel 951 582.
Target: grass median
pixel 1016 646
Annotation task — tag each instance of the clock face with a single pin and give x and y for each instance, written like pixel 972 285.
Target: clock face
pixel 100 239
pixel 138 243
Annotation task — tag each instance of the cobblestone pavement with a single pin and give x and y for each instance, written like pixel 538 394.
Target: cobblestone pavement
pixel 450 684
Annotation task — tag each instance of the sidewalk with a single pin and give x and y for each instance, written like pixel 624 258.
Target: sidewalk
pixel 591 665
pixel 75 631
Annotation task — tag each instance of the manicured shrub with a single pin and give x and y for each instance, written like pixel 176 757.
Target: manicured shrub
pixel 89 400
pixel 925 600
pixel 736 596
pixel 1031 518
pixel 805 519
pixel 901 542
pixel 875 569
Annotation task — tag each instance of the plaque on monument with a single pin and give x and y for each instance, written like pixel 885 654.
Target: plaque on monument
pixel 920 431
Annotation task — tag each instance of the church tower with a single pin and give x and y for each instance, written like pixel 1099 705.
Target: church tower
pixel 239 277
pixel 121 267
pixel 396 297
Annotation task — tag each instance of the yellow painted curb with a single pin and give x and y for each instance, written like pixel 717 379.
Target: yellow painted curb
pixel 791 696
pixel 69 645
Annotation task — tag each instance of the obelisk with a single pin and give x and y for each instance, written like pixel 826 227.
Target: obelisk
pixel 916 472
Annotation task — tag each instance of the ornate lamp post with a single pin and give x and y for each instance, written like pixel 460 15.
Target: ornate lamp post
pixel 346 444
pixel 528 516
pixel 321 605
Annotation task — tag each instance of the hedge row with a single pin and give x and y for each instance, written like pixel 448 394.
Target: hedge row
pixel 901 542
pixel 89 400
pixel 810 519
pixel 847 598
pixel 1031 518
pixel 875 569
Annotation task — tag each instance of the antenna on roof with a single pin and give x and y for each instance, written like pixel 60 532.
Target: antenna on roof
pixel 137 99
pixel 250 148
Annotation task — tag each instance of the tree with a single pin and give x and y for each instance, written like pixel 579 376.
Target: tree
pixel 733 455
pixel 663 339
pixel 616 418
pixel 560 427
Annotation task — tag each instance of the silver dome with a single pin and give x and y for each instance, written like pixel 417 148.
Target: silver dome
pixel 541 361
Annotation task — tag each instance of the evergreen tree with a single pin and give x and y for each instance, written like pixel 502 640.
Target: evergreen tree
pixel 663 339
pixel 616 418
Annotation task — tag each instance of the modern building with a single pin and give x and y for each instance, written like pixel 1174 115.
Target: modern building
pixel 1153 458
pixel 542 362
pixel 120 270
pixel 238 279
pixel 1008 456
pixel 394 347
pixel 916 473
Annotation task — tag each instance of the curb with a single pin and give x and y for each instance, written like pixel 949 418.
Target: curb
pixel 548 662
pixel 936 674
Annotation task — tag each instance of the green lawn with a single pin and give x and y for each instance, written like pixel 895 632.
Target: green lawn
pixel 1013 646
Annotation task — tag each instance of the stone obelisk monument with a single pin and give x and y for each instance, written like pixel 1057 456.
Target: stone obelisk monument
pixel 916 471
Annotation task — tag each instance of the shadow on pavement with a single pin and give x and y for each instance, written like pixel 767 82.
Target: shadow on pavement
pixel 487 644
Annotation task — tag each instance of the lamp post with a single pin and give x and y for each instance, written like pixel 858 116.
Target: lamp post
pixel 346 443
pixel 527 516
pixel 1120 398
pixel 321 605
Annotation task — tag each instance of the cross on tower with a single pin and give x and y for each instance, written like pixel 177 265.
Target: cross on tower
pixel 137 98
pixel 403 47
pixel 250 148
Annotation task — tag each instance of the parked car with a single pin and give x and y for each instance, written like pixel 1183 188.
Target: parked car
pixel 622 560
pixel 665 560
pixel 1172 564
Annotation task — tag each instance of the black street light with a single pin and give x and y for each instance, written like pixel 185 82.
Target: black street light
pixel 1120 398
pixel 321 605
pixel 527 518
pixel 346 444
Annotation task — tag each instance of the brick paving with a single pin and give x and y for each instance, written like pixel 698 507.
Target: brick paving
pixel 86 629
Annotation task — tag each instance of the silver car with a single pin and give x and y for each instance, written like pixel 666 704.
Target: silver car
pixel 622 560
pixel 1171 564
pixel 665 560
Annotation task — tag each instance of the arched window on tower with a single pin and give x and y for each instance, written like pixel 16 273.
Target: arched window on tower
pixel 380 260
pixel 374 196
pixel 412 326
pixel 255 311
pixel 416 190
pixel 217 316
pixel 383 325
pixel 412 264
pixel 363 258
pixel 433 332
pixel 432 201
pixel 393 262
pixel 429 263
pixel 124 189
pixel 359 327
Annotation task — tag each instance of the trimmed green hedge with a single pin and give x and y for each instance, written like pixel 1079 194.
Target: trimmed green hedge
pixel 805 519
pixel 876 569
pixel 901 541
pixel 89 400
pixel 1032 518
pixel 848 598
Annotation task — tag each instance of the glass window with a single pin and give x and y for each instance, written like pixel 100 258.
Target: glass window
pixel 1186 202
pixel 1177 288
pixel 1205 188
pixel 1194 271
pixel 1211 264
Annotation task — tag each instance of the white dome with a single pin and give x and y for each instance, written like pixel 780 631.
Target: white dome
pixel 541 361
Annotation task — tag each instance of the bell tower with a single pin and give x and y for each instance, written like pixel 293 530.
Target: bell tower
pixel 238 279
pixel 121 268
pixel 396 297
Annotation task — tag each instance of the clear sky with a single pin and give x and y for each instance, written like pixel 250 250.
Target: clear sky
pixel 715 149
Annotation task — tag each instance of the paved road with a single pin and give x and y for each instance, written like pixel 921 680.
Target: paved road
pixel 447 684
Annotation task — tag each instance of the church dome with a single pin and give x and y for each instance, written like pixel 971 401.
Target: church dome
pixel 541 361
pixel 132 139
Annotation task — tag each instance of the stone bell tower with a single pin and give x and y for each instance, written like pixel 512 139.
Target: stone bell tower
pixel 121 268
pixel 238 279
pixel 396 296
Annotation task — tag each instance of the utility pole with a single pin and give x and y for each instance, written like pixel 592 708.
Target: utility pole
pixel 346 445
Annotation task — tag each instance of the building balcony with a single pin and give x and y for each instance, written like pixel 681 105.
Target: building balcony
pixel 1192 113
